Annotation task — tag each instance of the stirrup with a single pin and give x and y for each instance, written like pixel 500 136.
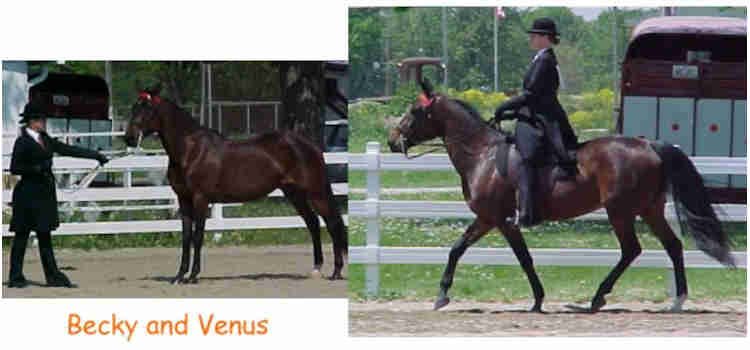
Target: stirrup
pixel 514 219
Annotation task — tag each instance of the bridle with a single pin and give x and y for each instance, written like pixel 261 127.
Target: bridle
pixel 426 103
pixel 402 140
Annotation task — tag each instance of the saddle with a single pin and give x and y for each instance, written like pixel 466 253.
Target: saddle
pixel 534 144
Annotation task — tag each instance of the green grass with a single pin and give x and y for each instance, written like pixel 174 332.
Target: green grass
pixel 395 179
pixel 563 234
pixel 569 284
pixel 508 283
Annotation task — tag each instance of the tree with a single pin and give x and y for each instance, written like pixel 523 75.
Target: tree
pixel 303 97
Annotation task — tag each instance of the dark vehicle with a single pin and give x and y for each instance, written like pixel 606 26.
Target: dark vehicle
pixel 414 68
pixel 76 103
pixel 336 127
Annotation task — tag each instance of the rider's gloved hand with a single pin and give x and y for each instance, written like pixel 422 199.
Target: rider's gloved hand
pixel 499 113
pixel 102 159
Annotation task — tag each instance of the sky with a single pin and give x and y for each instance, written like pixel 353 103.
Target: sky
pixel 588 13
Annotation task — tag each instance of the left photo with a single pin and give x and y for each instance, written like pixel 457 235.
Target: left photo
pixel 164 179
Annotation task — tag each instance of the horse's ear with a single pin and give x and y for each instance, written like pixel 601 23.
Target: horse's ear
pixel 137 86
pixel 155 90
pixel 426 87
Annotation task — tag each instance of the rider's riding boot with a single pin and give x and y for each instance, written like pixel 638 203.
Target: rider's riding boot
pixel 17 250
pixel 528 215
pixel 566 169
pixel 54 277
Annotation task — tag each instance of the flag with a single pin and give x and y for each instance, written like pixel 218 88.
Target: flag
pixel 499 13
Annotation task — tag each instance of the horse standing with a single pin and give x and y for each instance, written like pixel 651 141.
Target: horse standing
pixel 626 176
pixel 204 168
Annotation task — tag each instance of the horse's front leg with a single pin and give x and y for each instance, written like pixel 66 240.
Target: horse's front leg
pixel 513 235
pixel 200 207
pixel 473 233
pixel 186 213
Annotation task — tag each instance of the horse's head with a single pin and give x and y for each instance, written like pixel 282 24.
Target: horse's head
pixel 144 119
pixel 418 124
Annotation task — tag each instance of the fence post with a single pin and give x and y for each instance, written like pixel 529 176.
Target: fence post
pixel 372 270
pixel 217 211
pixel 127 180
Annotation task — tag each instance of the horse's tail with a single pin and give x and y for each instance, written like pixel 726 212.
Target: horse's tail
pixel 693 207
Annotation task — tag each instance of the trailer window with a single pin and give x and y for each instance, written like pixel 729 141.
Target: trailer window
pixel 689 48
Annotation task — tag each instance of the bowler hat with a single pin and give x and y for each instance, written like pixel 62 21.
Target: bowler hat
pixel 544 25
pixel 32 111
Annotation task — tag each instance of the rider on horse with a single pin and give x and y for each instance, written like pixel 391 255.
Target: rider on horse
pixel 544 111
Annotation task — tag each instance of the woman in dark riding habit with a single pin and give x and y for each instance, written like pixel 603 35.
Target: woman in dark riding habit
pixel 35 198
pixel 539 96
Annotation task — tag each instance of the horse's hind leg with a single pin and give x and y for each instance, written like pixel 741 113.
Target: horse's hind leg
pixel 186 214
pixel 473 233
pixel 624 224
pixel 518 244
pixel 326 206
pixel 659 225
pixel 200 209
pixel 300 203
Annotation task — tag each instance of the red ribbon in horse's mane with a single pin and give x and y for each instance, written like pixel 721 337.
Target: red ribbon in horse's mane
pixel 148 97
pixel 424 100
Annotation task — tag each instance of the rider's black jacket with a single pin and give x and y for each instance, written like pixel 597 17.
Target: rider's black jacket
pixel 539 94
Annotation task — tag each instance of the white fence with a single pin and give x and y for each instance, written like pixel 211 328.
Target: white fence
pixel 128 165
pixel 372 208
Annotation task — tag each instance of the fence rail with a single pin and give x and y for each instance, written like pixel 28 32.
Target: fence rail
pixel 372 209
pixel 127 165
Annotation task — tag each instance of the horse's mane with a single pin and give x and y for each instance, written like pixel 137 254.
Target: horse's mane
pixel 187 118
pixel 474 113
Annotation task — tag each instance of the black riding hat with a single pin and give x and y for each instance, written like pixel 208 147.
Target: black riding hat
pixel 32 111
pixel 544 25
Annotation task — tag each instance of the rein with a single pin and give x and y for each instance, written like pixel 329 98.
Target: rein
pixel 85 181
pixel 435 146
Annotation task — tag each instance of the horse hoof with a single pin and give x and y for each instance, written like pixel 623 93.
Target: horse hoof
pixel 537 308
pixel 178 280
pixel 677 305
pixel 578 308
pixel 440 303
pixel 336 276
pixel 597 304
pixel 192 280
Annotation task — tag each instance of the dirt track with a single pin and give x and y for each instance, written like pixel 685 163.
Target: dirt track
pixel 464 318
pixel 258 272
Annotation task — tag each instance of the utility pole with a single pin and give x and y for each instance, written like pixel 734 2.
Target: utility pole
pixel 108 79
pixel 498 14
pixel 494 41
pixel 614 50
pixel 387 51
pixel 444 25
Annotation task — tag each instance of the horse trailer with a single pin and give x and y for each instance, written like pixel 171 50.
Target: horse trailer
pixel 684 82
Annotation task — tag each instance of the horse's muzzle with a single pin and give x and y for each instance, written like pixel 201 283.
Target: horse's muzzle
pixel 395 147
pixel 129 140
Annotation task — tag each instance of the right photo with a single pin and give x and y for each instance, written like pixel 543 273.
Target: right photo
pixel 547 171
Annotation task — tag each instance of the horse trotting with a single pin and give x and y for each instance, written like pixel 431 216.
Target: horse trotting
pixel 206 168
pixel 625 176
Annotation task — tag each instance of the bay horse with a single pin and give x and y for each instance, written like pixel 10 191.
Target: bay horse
pixel 205 168
pixel 627 176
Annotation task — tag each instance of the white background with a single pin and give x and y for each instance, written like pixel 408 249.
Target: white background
pixel 228 30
